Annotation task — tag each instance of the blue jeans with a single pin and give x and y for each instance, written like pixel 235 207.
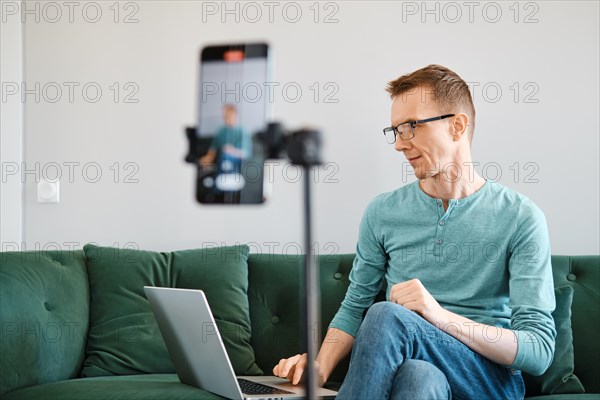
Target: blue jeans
pixel 399 355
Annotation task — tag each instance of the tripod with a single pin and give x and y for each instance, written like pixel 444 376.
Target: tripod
pixel 303 148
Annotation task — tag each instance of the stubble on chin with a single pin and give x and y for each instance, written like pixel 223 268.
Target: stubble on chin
pixel 422 172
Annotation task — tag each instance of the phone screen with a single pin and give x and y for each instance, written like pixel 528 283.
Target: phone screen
pixel 233 108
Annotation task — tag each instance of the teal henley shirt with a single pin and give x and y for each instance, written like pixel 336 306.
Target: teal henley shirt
pixel 487 258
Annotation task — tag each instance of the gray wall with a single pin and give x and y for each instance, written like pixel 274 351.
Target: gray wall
pixel 533 69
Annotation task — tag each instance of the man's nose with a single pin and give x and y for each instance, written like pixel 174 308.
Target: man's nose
pixel 401 144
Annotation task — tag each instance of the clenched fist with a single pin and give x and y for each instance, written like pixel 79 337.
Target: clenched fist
pixel 413 295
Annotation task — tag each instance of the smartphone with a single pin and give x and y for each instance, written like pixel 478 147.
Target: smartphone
pixel 233 107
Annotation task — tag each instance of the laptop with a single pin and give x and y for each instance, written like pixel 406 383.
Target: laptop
pixel 198 353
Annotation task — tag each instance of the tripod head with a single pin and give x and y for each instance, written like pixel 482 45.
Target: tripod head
pixel 303 147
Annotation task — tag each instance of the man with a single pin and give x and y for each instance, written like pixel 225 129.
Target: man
pixel 467 266
pixel 231 144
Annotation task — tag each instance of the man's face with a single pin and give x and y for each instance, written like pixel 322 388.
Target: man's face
pixel 230 116
pixel 433 146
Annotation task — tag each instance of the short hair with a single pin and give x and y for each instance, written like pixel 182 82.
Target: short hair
pixel 230 106
pixel 449 90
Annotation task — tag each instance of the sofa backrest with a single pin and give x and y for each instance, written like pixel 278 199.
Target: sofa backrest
pixel 275 307
pixel 275 303
pixel 582 273
pixel 44 306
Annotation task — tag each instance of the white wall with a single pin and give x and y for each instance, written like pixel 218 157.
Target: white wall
pixel 11 134
pixel 553 58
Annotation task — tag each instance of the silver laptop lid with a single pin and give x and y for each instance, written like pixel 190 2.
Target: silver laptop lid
pixel 195 346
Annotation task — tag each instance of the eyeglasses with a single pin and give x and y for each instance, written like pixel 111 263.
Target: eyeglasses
pixel 406 130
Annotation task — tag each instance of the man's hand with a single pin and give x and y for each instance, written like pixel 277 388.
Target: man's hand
pixel 413 295
pixel 293 369
pixel 208 159
pixel 233 151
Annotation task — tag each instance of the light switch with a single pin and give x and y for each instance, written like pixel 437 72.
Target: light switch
pixel 48 192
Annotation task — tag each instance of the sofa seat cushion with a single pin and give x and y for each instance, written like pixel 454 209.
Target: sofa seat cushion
pixel 124 338
pixel 126 387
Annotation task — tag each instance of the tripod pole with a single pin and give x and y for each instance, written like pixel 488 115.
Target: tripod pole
pixel 312 296
pixel 304 149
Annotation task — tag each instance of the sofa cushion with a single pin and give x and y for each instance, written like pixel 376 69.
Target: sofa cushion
pixel 582 273
pixel 559 377
pixel 124 337
pixel 44 301
pixel 128 387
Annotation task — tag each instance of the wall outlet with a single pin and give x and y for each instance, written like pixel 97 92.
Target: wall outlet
pixel 48 192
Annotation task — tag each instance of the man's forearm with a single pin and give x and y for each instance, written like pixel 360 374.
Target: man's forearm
pixel 494 343
pixel 336 346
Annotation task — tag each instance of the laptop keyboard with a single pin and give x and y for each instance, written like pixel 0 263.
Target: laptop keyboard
pixel 249 387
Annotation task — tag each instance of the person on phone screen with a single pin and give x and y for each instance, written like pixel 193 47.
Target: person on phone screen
pixel 230 145
pixel 466 261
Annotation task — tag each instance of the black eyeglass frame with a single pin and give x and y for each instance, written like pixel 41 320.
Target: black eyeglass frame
pixel 412 125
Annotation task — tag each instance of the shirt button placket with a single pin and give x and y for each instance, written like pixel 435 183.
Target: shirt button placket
pixel 441 223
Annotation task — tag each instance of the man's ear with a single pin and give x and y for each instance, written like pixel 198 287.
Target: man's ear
pixel 460 126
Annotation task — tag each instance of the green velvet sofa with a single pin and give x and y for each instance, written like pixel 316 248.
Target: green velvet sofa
pixel 76 324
